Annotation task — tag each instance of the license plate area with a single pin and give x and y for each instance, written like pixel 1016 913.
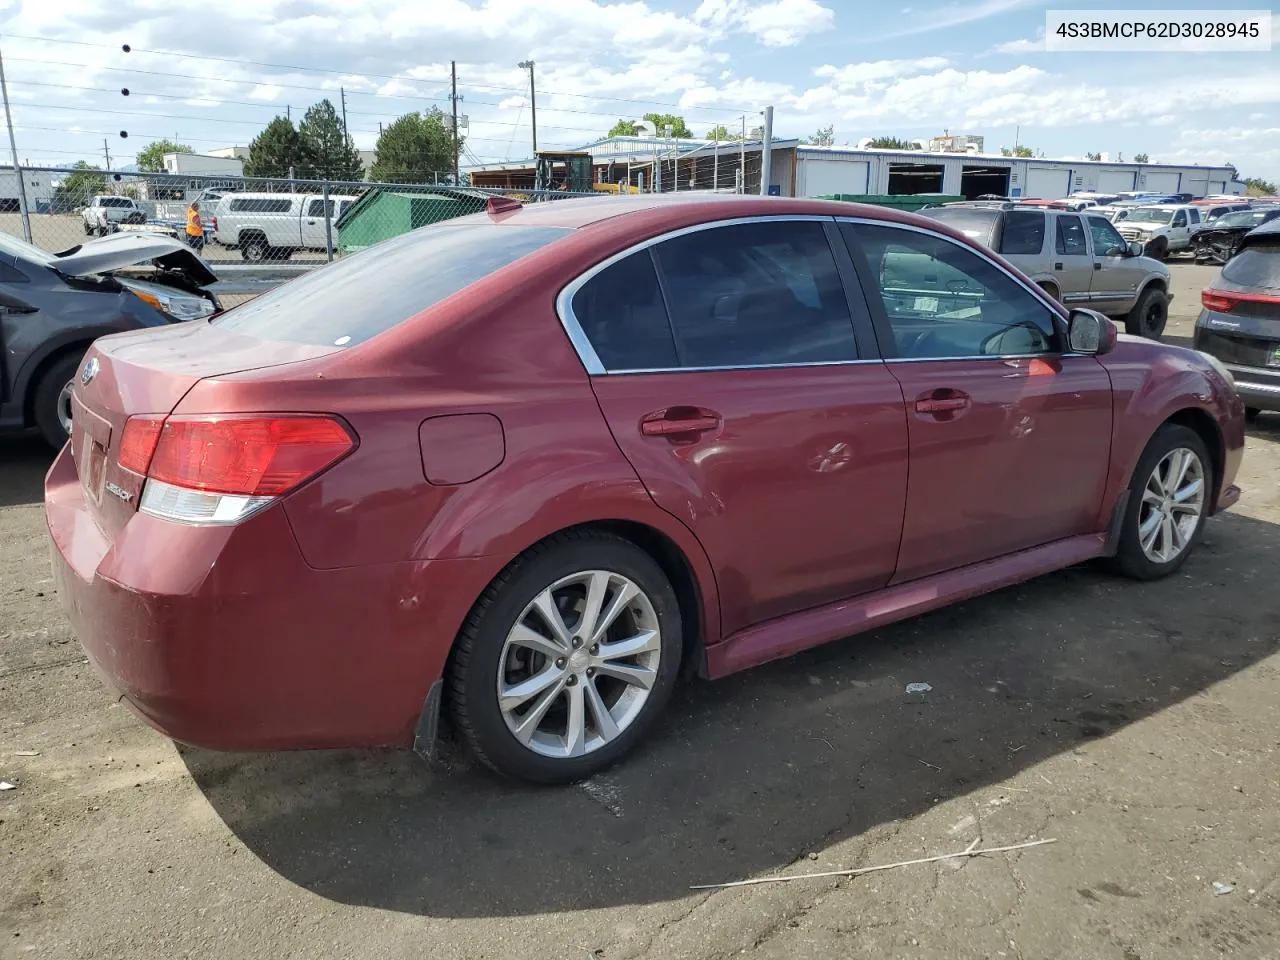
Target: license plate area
pixel 90 442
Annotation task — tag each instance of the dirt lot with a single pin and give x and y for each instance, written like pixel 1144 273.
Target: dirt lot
pixel 1135 724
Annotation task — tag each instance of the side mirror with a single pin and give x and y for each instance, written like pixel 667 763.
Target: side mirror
pixel 1135 248
pixel 1090 333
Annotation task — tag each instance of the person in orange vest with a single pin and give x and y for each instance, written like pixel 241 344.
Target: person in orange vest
pixel 195 226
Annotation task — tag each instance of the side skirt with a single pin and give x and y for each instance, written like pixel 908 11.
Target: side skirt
pixel 787 635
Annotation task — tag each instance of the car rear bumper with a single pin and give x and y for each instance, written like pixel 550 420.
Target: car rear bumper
pixel 1257 387
pixel 223 637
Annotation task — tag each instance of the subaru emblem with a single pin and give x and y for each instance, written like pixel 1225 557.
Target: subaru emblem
pixel 89 372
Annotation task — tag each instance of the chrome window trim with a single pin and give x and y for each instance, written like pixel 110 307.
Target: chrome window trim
pixel 587 353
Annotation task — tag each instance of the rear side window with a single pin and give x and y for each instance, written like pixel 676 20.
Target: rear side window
pixel 1256 266
pixel 622 313
pixel 370 292
pixel 756 294
pixel 261 205
pixel 1071 242
pixel 1023 232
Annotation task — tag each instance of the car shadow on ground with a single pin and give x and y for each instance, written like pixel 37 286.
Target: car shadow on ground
pixel 24 460
pixel 745 775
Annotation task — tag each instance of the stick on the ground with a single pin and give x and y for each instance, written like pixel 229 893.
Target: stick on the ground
pixel 969 852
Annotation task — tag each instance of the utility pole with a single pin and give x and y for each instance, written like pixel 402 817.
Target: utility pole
pixel 533 102
pixel 13 148
pixel 453 98
pixel 766 152
pixel 715 162
pixel 288 112
pixel 742 157
pixel 106 152
pixel 342 91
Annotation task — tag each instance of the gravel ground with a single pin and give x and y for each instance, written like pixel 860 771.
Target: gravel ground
pixel 1135 724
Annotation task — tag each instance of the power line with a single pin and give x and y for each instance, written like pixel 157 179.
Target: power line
pixel 341 73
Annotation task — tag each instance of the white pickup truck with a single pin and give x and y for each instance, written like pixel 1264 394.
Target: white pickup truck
pixel 106 212
pixel 271 226
pixel 1162 229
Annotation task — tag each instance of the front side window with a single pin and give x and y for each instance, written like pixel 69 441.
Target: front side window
pixel 1180 219
pixel 752 294
pixel 944 301
pixel 1023 232
pixel 1070 241
pixel 1107 241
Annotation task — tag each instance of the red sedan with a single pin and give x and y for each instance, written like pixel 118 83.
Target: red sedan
pixel 525 466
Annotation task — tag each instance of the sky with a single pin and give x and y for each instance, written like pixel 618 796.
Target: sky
pixel 211 75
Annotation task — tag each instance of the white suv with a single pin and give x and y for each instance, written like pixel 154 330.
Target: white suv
pixel 271 226
pixel 1162 228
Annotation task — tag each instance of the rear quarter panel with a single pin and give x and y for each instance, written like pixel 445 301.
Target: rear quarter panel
pixel 1152 382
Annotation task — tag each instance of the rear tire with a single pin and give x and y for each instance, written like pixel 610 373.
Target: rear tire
pixel 1157 249
pixel 51 403
pixel 1252 413
pixel 507 643
pixel 255 249
pixel 1166 510
pixel 1149 315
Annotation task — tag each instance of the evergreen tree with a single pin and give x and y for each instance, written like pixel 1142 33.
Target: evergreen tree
pixel 328 152
pixel 276 149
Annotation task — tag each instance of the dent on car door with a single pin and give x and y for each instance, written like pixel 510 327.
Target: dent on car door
pixel 726 363
pixel 1009 436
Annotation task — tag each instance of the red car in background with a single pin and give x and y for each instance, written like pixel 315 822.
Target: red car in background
pixel 526 465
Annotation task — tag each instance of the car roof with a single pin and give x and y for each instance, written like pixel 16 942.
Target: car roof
pixel 670 210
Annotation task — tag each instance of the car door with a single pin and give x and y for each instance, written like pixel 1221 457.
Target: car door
pixel 725 361
pixel 313 222
pixel 1117 275
pixel 1009 435
pixel 1179 231
pixel 1072 264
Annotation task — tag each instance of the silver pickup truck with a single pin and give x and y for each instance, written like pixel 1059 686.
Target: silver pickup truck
pixel 1078 258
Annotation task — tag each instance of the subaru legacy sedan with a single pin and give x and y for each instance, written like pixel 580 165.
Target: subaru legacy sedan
pixel 523 469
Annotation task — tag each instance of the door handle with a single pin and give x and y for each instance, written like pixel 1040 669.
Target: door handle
pixel 1057 266
pixel 311 223
pixel 1097 265
pixel 941 404
pixel 680 423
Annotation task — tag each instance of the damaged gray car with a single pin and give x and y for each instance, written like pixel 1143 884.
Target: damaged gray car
pixel 53 305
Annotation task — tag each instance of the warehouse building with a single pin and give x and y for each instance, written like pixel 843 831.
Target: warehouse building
pixel 805 170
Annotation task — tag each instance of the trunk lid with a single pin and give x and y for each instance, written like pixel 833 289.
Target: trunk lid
pixel 149 372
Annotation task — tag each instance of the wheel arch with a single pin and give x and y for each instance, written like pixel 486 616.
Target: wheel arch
pixel 34 373
pixel 1207 429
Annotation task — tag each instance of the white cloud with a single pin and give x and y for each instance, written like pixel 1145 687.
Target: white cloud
pixel 1020 46
pixel 775 23
pixel 954 15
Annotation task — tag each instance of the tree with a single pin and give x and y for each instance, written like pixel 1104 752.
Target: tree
pixel 1093 156
pixel 623 128
pixel 721 132
pixel 893 143
pixel 78 186
pixel 1017 152
pixel 414 149
pixel 678 127
pixel 1257 187
pixel 825 137
pixel 151 157
pixel 275 150
pixel 1141 158
pixel 328 152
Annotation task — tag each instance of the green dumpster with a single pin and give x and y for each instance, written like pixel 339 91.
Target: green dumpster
pixel 382 214
pixel 908 201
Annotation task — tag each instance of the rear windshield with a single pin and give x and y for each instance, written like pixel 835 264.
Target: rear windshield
pixel 1242 218
pixel 975 224
pixel 1256 267
pixel 370 292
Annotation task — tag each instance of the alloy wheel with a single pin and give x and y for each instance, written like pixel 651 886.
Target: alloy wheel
pixel 579 664
pixel 64 407
pixel 1172 503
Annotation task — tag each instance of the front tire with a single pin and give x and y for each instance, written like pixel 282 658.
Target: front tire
pixel 567 659
pixel 1157 249
pixel 51 404
pixel 1169 499
pixel 1149 315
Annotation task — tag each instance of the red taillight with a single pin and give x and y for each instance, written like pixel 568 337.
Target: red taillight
pixel 252 456
pixel 1216 301
pixel 213 222
pixel 138 442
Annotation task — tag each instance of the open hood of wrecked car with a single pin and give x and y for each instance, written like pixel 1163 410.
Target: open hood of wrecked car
pixel 120 250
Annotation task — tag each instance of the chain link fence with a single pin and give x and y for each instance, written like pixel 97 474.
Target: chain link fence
pixel 257 232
